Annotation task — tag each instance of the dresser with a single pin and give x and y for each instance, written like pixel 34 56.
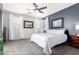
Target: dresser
pixel 75 41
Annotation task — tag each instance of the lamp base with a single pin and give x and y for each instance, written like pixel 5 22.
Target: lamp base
pixel 77 34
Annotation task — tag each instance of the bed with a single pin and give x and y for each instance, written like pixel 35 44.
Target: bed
pixel 49 39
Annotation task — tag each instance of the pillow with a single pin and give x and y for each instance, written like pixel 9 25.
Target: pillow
pixel 59 31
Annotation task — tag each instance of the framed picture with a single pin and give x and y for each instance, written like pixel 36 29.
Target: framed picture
pixel 57 23
pixel 28 24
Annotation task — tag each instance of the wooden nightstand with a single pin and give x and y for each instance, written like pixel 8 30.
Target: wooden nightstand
pixel 75 41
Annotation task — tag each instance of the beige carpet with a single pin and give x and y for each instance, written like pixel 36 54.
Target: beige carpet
pixel 25 47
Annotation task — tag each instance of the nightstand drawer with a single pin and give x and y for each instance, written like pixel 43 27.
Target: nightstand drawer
pixel 75 41
pixel 75 45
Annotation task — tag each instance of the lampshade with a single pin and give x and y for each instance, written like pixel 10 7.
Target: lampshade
pixel 77 27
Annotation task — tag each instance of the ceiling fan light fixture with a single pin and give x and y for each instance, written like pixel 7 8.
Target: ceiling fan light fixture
pixel 28 12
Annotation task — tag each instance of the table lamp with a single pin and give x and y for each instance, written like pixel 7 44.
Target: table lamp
pixel 77 29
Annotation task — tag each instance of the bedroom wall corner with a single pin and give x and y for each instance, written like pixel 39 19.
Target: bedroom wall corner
pixel 70 15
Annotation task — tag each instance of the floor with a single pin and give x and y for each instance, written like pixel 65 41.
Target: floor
pixel 25 47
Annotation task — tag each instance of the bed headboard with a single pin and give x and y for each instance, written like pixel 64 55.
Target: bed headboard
pixel 68 35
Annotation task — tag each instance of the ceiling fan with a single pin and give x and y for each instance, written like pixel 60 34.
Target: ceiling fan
pixel 38 9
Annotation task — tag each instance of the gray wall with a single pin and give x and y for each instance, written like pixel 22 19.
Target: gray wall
pixel 71 17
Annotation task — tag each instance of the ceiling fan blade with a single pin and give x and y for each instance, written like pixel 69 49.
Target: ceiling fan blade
pixel 35 5
pixel 42 8
pixel 40 11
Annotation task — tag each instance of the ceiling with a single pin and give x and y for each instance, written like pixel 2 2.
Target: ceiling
pixel 21 8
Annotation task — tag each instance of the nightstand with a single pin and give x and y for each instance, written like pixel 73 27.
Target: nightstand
pixel 75 41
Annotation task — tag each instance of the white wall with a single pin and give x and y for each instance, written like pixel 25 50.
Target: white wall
pixel 46 24
pixel 27 32
pixel 38 25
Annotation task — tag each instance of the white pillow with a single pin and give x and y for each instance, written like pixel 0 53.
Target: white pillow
pixel 59 31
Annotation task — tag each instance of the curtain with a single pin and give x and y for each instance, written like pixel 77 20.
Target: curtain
pixel 15 27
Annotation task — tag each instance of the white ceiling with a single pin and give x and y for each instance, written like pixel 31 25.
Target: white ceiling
pixel 21 8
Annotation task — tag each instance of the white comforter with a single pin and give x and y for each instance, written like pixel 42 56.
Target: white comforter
pixel 46 40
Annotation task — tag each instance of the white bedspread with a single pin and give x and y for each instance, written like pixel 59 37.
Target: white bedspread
pixel 46 40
